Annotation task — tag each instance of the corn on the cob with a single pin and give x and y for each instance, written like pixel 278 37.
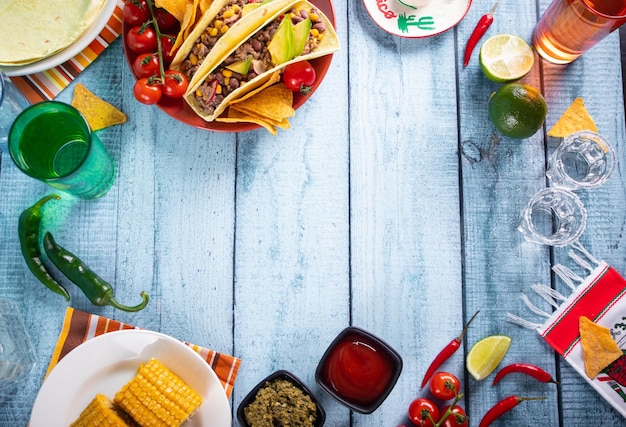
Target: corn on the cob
pixel 156 397
pixel 101 413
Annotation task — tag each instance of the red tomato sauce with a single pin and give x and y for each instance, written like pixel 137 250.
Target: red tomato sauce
pixel 358 370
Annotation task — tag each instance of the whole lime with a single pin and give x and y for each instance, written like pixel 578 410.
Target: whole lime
pixel 517 110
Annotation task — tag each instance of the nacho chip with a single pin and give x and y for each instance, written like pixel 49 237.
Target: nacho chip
pixel 235 116
pixel 574 119
pixel 187 23
pixel 98 113
pixel 599 347
pixel 274 78
pixel 176 8
pixel 273 103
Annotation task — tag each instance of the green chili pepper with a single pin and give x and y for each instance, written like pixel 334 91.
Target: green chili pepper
pixel 28 231
pixel 98 291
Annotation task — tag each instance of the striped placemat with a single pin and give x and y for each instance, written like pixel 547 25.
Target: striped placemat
pixel 79 326
pixel 48 84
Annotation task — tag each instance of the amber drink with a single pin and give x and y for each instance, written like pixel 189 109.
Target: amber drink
pixel 569 28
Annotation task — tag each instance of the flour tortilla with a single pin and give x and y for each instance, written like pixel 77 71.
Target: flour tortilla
pixel 35 29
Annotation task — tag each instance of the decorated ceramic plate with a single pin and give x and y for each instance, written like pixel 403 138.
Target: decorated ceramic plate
pixel 417 18
pixel 107 362
pixel 69 52
pixel 178 108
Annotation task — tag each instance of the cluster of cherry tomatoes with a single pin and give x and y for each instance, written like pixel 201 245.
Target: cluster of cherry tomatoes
pixel 424 412
pixel 151 37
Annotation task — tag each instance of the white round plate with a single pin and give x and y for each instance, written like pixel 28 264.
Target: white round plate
pixel 70 51
pixel 417 18
pixel 107 362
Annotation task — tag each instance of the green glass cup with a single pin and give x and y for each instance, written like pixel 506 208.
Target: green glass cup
pixel 52 142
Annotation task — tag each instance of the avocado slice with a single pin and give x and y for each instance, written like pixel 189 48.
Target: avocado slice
pixel 249 7
pixel 242 67
pixel 281 45
pixel 300 36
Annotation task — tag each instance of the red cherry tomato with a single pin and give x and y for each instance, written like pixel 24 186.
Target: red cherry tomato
pixel 299 77
pixel 141 40
pixel 419 410
pixel 167 43
pixel 165 20
pixel 175 84
pixel 135 12
pixel 147 92
pixel 458 418
pixel 444 385
pixel 146 65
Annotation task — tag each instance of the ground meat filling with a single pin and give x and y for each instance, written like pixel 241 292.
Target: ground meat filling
pixel 221 82
pixel 226 17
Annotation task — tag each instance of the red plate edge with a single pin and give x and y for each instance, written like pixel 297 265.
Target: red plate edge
pixel 181 111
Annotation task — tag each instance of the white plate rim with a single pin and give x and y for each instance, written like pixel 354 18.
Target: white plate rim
pixel 110 360
pixel 67 53
pixel 378 8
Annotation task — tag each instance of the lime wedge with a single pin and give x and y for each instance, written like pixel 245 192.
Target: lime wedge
pixel 485 356
pixel 505 58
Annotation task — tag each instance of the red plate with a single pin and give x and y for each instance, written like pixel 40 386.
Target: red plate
pixel 178 108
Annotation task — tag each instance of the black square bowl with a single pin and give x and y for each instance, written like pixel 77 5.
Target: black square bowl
pixel 281 375
pixel 370 358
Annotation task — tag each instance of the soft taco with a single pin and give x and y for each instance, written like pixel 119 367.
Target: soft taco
pixel 221 18
pixel 299 31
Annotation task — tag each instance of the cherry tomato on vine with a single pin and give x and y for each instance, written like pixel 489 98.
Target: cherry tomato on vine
pixel 444 385
pixel 299 77
pixel 458 418
pixel 146 65
pixel 419 410
pixel 167 43
pixel 135 12
pixel 175 84
pixel 141 39
pixel 165 20
pixel 146 91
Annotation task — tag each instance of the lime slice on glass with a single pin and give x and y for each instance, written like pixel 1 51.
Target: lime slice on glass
pixel 505 58
pixel 485 356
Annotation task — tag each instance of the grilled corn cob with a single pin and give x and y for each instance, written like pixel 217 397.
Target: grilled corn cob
pixel 101 412
pixel 156 397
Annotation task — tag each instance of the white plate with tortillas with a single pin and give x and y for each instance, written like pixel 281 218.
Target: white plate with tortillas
pixel 38 35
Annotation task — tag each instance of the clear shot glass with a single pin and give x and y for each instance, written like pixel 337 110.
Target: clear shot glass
pixel 12 103
pixel 554 217
pixel 583 160
pixel 17 357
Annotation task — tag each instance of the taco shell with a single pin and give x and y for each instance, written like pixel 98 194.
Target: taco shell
pixel 236 33
pixel 328 44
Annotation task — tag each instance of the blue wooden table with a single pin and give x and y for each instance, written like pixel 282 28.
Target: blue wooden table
pixel 392 204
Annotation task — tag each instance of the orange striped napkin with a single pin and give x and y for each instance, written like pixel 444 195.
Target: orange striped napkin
pixel 79 327
pixel 48 84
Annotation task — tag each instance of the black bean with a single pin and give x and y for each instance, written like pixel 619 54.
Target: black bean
pixel 320 26
pixel 234 83
pixel 304 13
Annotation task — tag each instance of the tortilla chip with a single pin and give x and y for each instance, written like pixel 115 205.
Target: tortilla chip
pixel 187 23
pixel 235 116
pixel 176 8
pixel 574 119
pixel 273 103
pixel 599 347
pixel 98 113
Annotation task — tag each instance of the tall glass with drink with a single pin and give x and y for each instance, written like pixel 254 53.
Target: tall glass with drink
pixel 569 28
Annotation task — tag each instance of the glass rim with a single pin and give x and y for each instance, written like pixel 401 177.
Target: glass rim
pixel 604 15
pixel 19 163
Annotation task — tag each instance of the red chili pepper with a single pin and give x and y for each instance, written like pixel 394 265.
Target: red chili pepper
pixel 481 28
pixel 534 371
pixel 445 354
pixel 503 406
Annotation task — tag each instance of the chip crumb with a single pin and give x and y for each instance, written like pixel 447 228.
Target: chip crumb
pixel 599 347
pixel 98 113
pixel 574 119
